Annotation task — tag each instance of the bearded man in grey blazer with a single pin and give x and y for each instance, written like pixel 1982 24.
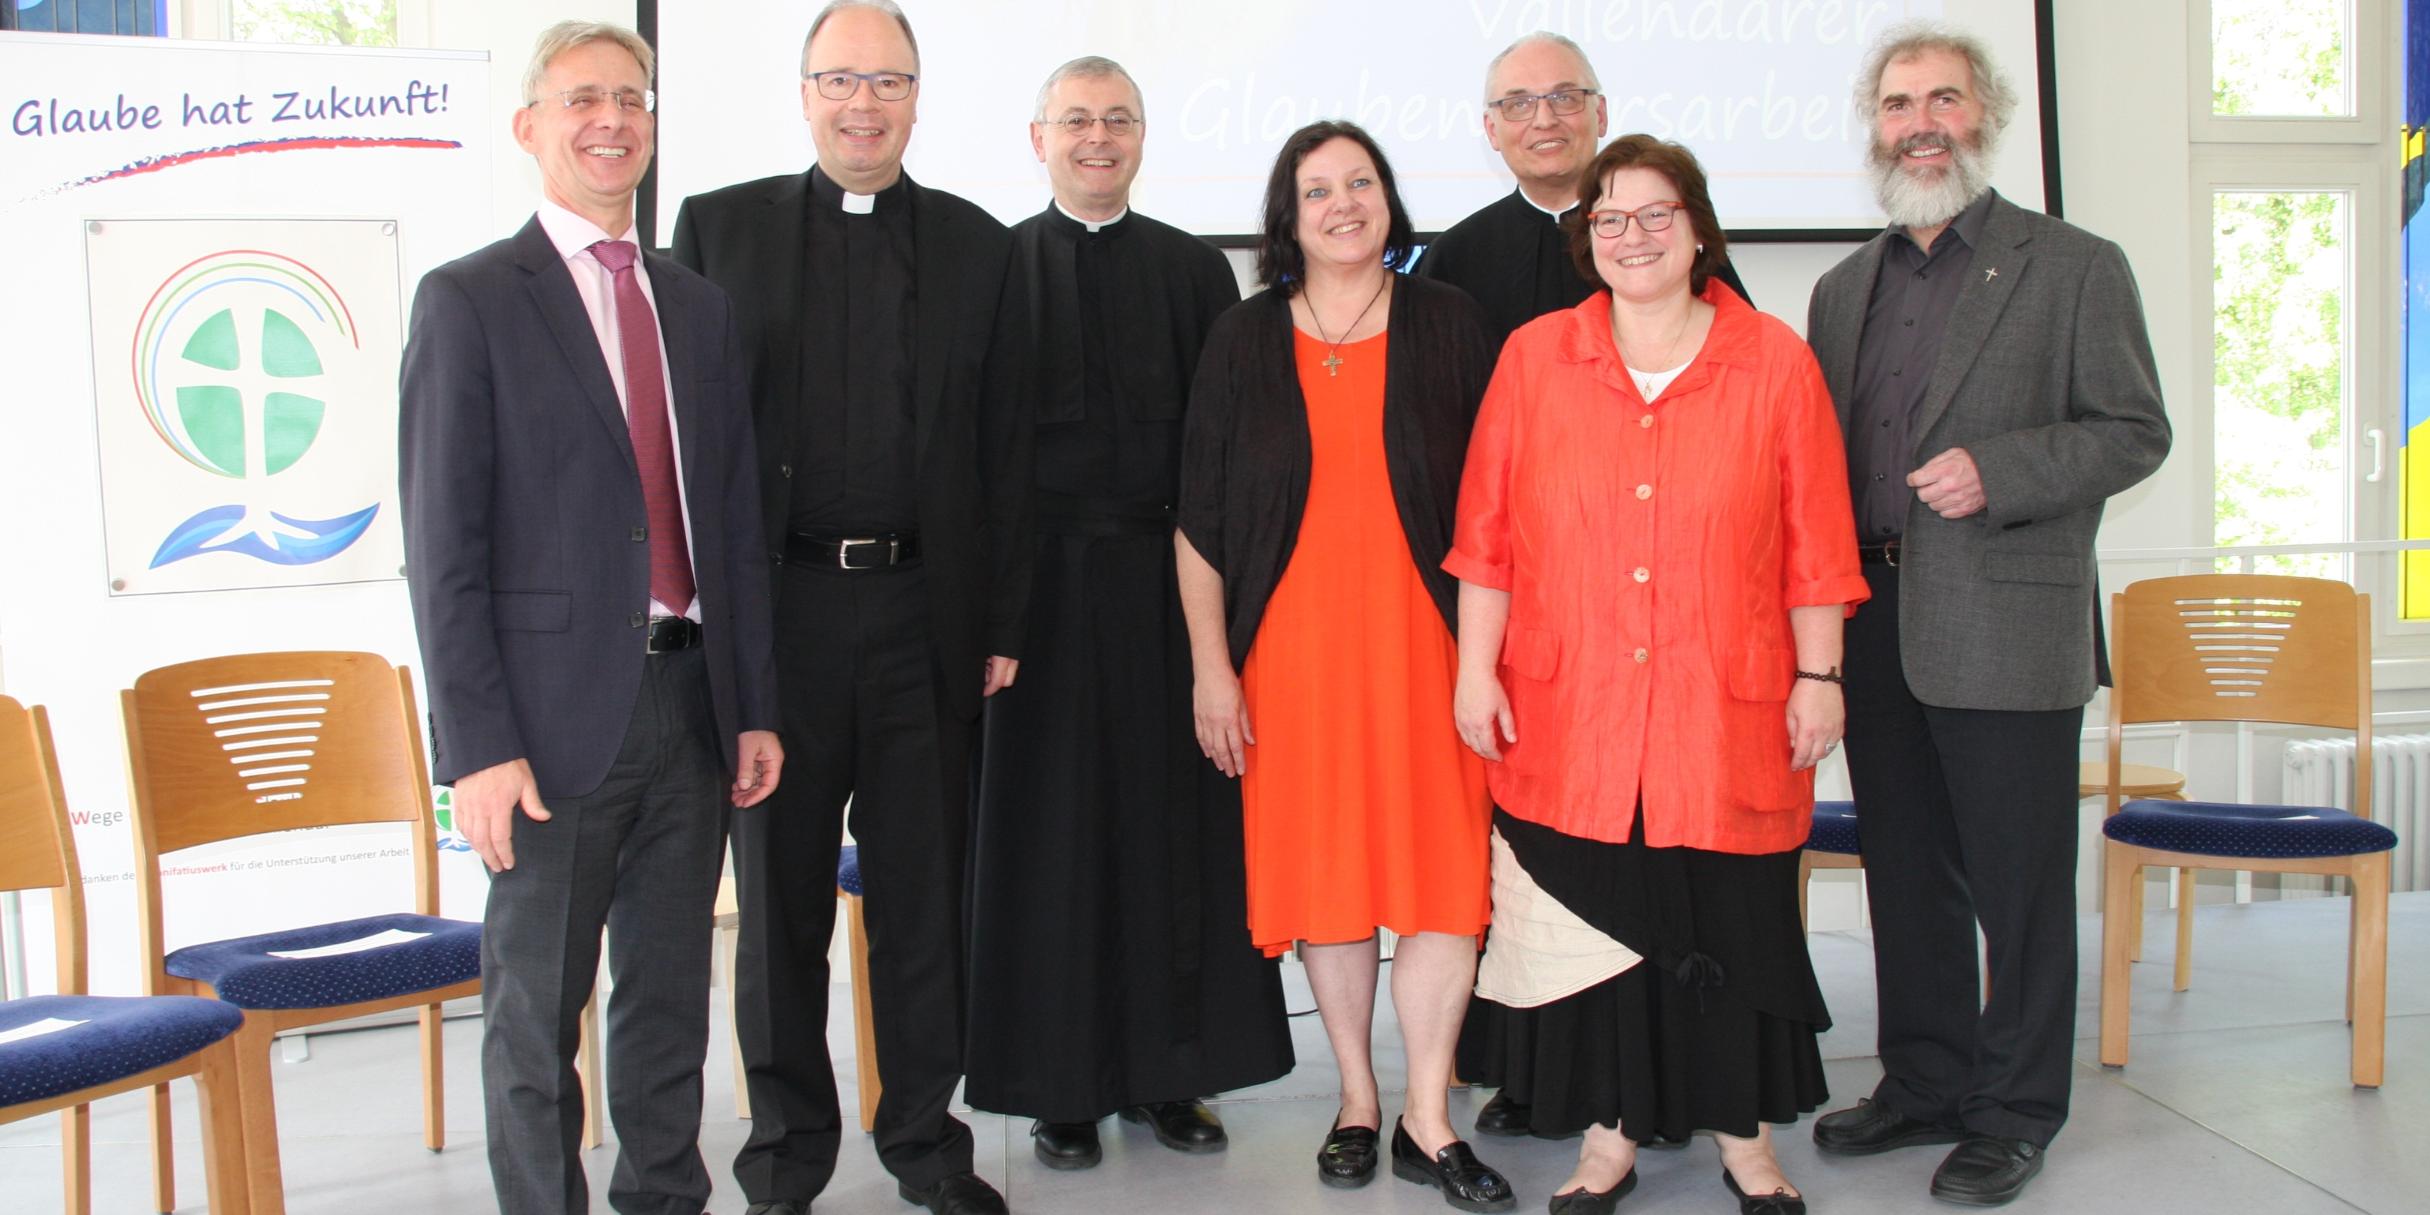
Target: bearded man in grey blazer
pixel 1996 387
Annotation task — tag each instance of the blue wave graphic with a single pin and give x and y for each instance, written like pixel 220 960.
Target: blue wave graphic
pixel 328 537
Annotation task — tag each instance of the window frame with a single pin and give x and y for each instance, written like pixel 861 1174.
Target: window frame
pixel 2369 23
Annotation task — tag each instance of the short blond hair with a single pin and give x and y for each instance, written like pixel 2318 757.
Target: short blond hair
pixel 566 35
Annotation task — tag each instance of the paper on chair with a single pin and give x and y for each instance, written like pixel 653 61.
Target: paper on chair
pixel 47 1025
pixel 377 940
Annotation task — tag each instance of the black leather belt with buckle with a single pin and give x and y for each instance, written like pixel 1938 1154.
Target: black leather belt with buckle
pixel 673 633
pixel 851 552
pixel 1879 554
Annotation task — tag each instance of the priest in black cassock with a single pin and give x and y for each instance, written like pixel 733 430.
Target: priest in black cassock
pixel 1112 969
pixel 1544 112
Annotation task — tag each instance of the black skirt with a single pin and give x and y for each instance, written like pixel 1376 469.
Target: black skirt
pixel 1715 1030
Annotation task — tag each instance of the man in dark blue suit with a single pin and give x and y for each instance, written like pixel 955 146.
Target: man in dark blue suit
pixel 590 585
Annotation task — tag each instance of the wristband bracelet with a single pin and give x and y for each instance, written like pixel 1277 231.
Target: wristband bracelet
pixel 1830 676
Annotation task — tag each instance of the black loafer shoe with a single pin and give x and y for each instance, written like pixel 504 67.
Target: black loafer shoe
pixel 1869 1126
pixel 960 1194
pixel 1066 1145
pixel 1184 1126
pixel 1347 1161
pixel 1589 1202
pixel 1467 1184
pixel 1986 1171
pixel 1778 1202
pixel 1503 1116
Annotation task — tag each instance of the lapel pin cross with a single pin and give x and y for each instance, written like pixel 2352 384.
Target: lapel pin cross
pixel 1991 274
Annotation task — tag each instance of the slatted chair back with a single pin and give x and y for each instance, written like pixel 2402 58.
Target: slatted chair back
pixel 224 748
pixel 2265 648
pixel 37 847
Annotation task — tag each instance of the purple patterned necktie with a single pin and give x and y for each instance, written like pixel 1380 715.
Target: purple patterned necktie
pixel 645 415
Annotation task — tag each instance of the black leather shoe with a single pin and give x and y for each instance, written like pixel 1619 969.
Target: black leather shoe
pixel 1583 1201
pixel 1869 1126
pixel 777 1207
pixel 1986 1171
pixel 1347 1161
pixel 1778 1202
pixel 1467 1184
pixel 1184 1126
pixel 1066 1145
pixel 1503 1116
pixel 960 1194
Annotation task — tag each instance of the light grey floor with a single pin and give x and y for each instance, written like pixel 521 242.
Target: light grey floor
pixel 2236 1100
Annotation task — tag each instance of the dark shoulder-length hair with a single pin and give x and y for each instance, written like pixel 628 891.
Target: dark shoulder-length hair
pixel 1280 260
pixel 1671 160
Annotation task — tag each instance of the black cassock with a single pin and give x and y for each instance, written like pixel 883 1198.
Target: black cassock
pixel 1513 257
pixel 1110 955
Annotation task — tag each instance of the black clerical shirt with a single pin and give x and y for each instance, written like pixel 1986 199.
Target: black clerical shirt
pixel 1513 257
pixel 1912 298
pixel 856 454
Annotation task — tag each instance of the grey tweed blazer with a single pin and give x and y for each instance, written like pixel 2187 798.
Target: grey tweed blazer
pixel 2045 377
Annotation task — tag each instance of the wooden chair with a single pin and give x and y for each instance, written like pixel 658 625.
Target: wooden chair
pixel 61 1052
pixel 2138 782
pixel 2246 648
pixel 226 748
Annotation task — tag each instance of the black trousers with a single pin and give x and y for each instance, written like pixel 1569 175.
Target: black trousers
pixel 640 856
pixel 864 722
pixel 1967 815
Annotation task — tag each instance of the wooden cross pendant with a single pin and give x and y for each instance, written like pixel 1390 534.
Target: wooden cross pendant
pixel 1333 364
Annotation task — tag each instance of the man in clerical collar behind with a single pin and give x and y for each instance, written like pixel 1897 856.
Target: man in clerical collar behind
pixel 894 438
pixel 1109 854
pixel 1546 114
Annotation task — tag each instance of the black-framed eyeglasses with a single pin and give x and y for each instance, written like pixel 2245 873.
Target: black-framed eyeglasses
pixel 1077 125
pixel 588 101
pixel 1563 102
pixel 1652 217
pixel 840 86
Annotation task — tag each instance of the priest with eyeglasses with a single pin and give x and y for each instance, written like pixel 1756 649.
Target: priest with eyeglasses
pixel 1112 969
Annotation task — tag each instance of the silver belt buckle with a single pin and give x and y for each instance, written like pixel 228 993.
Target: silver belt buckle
pixel 843 550
pixel 1890 554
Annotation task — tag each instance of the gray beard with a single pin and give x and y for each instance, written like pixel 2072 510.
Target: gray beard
pixel 1912 201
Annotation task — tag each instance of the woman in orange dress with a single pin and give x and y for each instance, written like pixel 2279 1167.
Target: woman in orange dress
pixel 1327 427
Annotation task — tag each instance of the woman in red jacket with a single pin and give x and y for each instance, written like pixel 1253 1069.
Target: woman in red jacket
pixel 1655 553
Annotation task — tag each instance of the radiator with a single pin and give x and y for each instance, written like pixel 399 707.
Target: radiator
pixel 2320 772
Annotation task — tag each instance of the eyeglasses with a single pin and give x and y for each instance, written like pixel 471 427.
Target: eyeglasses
pixel 840 86
pixel 1077 125
pixel 1652 217
pixel 1564 102
pixel 588 101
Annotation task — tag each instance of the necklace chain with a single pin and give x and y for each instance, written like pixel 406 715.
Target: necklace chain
pixel 1333 354
pixel 1645 383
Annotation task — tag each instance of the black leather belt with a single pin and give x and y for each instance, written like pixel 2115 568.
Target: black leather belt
pixel 1879 554
pixel 1065 514
pixel 852 552
pixel 673 633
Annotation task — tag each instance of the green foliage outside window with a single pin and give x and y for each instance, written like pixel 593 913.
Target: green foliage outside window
pixel 318 22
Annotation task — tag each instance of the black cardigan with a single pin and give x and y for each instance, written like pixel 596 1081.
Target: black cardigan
pixel 1246 458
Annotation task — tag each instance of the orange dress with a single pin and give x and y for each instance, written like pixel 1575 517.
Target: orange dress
pixel 1362 807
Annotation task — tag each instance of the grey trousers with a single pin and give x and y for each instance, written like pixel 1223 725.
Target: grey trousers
pixel 640 855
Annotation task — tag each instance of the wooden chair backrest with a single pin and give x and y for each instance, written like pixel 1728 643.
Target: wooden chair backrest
pixel 2266 648
pixel 37 846
pixel 229 747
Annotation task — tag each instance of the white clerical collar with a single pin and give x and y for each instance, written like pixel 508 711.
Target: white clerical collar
pixel 1092 224
pixel 1548 210
pixel 859 204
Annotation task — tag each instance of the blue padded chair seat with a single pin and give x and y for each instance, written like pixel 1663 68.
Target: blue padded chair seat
pixel 121 1036
pixel 1834 828
pixel 242 971
pixel 2257 832
pixel 848 870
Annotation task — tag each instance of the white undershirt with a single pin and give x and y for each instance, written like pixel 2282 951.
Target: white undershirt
pixel 1651 383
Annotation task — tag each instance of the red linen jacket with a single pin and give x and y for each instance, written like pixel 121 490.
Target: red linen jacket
pixel 1652 553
